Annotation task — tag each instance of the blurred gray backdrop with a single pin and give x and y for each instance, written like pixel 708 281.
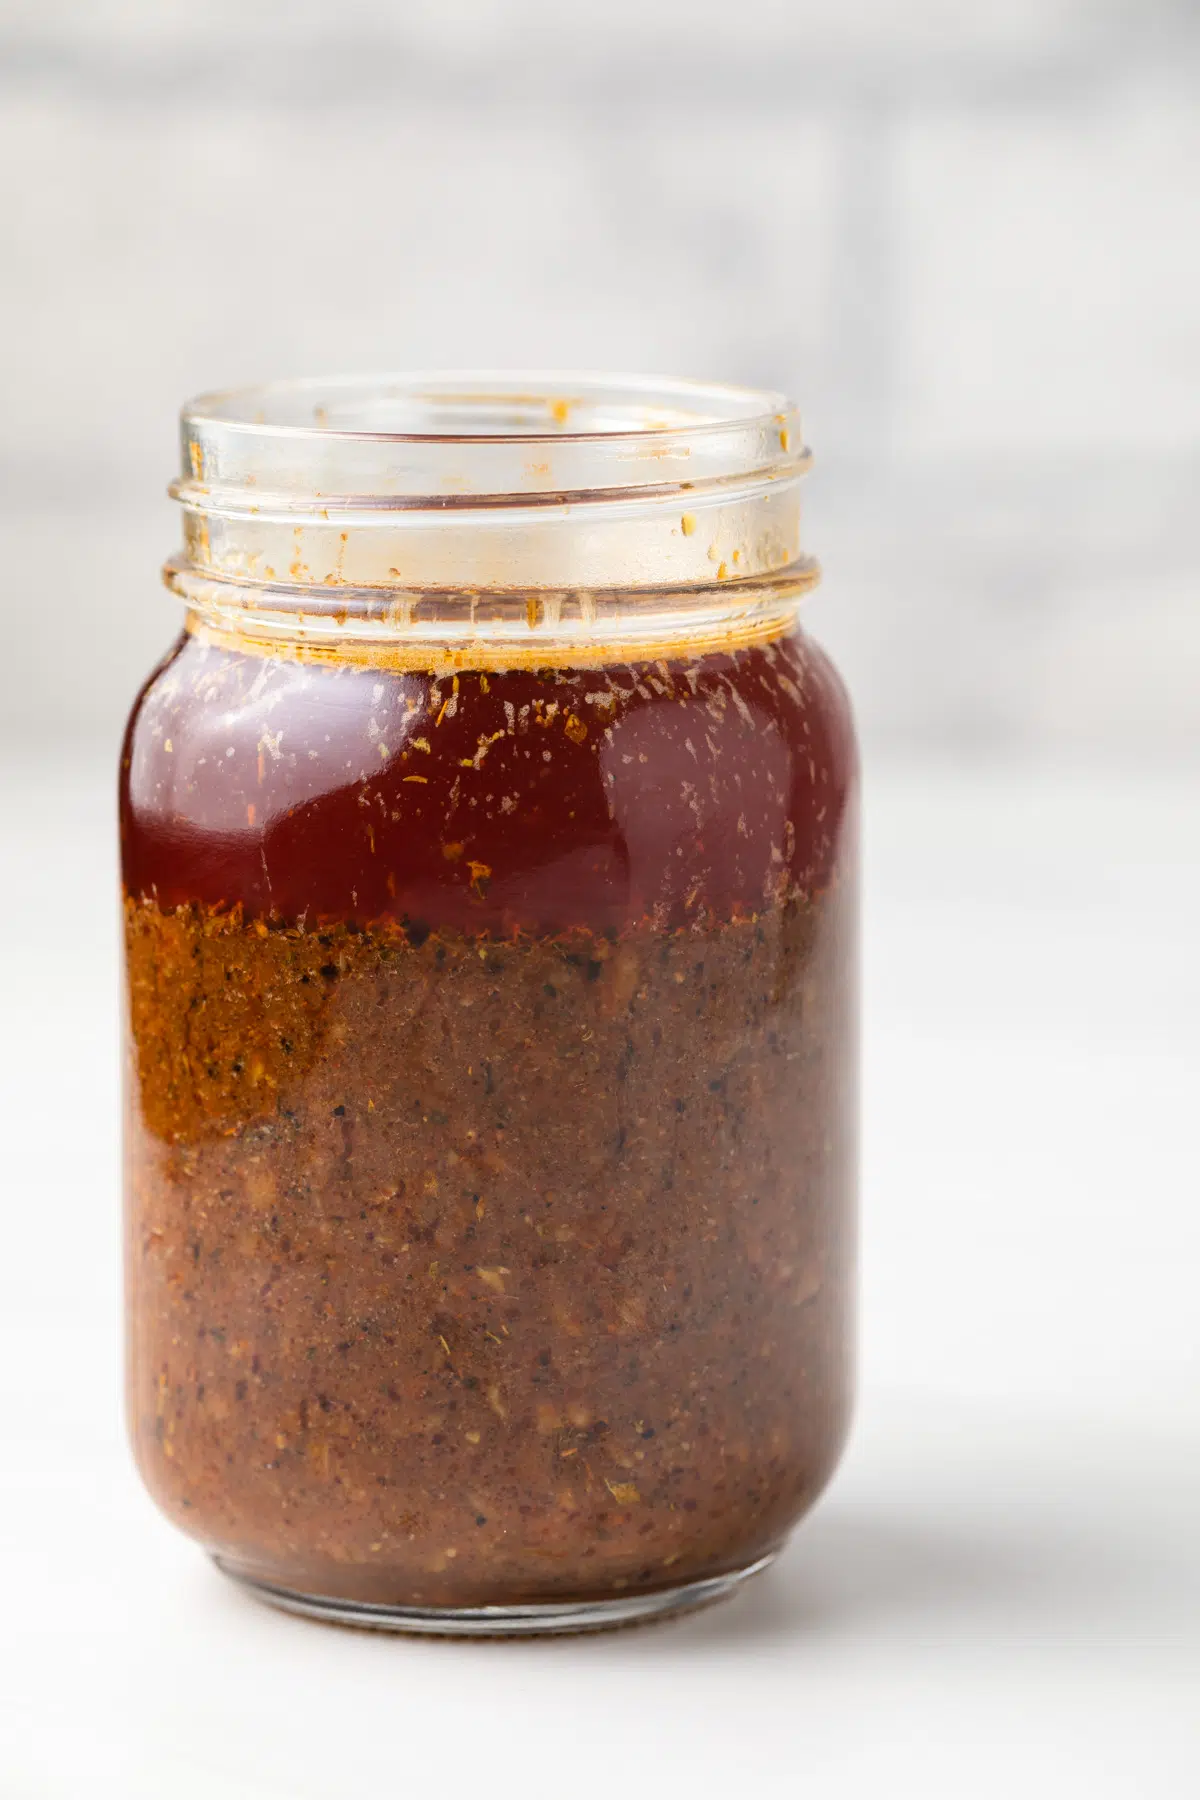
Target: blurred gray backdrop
pixel 966 236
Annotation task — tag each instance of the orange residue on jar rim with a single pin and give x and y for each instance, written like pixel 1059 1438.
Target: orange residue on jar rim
pixel 432 655
pixel 499 629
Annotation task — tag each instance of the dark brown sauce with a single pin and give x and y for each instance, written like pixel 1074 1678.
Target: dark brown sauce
pixel 490 1130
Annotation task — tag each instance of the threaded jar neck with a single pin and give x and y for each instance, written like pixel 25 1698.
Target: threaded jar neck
pixel 481 506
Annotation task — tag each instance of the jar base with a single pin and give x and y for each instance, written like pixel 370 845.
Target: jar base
pixel 539 1619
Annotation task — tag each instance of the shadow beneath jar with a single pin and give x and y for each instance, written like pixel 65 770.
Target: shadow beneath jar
pixel 848 1571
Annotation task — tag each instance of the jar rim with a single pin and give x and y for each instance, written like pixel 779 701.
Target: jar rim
pixel 471 438
pixel 653 405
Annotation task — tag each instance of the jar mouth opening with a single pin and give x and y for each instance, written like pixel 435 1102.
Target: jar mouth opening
pixel 488 406
pixel 477 438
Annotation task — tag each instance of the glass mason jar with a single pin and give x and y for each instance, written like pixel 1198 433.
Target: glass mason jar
pixel 489 852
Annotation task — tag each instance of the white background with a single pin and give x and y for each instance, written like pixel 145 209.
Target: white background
pixel 966 237
pixel 965 234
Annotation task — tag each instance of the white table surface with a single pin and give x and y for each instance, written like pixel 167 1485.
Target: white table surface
pixel 1000 1595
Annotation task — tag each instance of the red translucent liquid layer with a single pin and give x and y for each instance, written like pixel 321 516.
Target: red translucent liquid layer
pixel 498 801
